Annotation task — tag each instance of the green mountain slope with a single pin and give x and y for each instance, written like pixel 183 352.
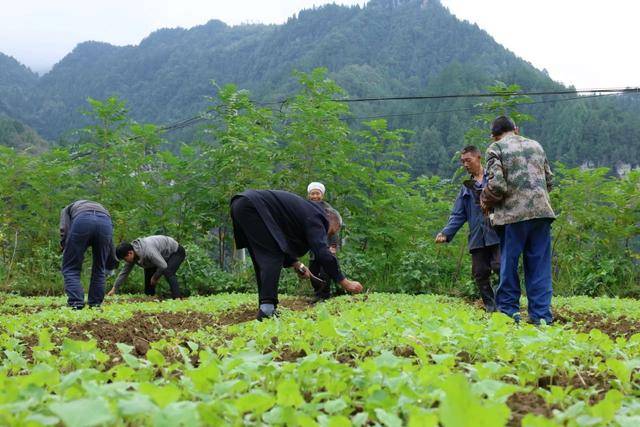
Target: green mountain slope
pixel 388 47
pixel 19 136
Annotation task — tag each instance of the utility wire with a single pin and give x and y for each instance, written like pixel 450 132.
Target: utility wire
pixel 474 95
pixel 608 91
pixel 474 108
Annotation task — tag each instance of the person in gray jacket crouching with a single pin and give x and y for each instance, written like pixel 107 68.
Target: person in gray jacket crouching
pixel 158 255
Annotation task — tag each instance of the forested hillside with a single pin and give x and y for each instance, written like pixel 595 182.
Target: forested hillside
pixel 19 136
pixel 17 85
pixel 388 47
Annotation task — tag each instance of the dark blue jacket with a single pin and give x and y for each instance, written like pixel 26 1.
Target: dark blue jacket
pixel 467 209
pixel 296 224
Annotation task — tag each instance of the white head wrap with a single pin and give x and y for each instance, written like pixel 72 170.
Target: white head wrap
pixel 315 186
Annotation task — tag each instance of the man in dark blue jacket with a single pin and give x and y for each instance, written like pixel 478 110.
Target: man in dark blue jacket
pixel 278 227
pixel 484 243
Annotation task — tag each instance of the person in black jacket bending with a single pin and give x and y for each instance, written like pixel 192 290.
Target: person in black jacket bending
pixel 277 227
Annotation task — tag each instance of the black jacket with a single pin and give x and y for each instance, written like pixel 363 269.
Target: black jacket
pixel 297 225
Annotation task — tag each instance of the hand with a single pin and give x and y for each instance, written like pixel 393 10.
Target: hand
pixel 441 238
pixel 333 250
pixel 154 281
pixel 301 270
pixel 351 286
pixel 486 209
pixel 111 292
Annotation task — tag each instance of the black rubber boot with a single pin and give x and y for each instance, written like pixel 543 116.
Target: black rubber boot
pixel 488 296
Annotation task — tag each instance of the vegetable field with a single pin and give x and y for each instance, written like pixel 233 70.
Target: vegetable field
pixel 375 359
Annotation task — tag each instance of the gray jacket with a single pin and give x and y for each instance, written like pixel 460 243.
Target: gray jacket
pixel 71 211
pixel 152 252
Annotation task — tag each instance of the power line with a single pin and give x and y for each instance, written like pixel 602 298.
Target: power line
pixel 608 91
pixel 473 95
pixel 474 108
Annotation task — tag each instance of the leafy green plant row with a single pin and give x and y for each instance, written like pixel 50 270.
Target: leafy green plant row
pixel 385 359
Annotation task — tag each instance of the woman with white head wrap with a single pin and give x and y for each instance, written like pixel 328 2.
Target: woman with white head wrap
pixel 315 191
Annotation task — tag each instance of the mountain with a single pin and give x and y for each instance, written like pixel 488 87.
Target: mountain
pixel 388 47
pixel 21 137
pixel 17 85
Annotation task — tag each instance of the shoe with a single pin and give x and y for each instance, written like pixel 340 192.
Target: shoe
pixel 317 299
pixel 516 317
pixel 262 315
pixel 538 322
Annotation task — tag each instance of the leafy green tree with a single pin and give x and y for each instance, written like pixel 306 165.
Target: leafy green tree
pixel 316 140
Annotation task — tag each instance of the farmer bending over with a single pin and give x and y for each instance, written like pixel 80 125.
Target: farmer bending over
pixel 84 223
pixel 277 227
pixel 158 255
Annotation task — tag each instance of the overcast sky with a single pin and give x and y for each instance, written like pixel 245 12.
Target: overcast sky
pixel 584 43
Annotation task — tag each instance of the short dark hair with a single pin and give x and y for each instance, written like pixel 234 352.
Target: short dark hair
pixel 471 149
pixel 123 249
pixel 332 215
pixel 502 125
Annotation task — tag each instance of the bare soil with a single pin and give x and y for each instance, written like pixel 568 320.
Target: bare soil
pixel 140 330
pixel 522 404
pixel 248 312
pixel 144 328
pixel 584 322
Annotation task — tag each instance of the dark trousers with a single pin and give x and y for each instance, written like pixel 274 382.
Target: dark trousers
pixel 484 261
pixel 321 290
pixel 532 240
pixel 266 255
pixel 173 263
pixel 89 229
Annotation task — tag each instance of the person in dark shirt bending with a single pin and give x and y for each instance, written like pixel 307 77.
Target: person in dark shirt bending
pixel 278 227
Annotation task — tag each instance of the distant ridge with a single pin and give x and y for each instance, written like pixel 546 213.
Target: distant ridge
pixel 388 47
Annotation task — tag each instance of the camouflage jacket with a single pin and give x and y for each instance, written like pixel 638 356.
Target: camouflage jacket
pixel 519 181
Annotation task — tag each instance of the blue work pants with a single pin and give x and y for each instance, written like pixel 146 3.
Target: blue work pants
pixel 88 229
pixel 532 240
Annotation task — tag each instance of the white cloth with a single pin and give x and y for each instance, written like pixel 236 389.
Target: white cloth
pixel 315 186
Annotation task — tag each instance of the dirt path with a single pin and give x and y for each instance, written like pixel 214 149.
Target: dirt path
pixel 585 322
pixel 144 328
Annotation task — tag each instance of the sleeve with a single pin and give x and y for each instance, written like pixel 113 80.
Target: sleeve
pixel 122 276
pixel 496 187
pixel 334 241
pixel 317 238
pixel 288 261
pixel 65 223
pixel 548 175
pixel 457 218
pixel 155 257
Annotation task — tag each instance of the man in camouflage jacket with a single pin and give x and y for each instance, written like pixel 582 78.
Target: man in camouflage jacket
pixel 517 193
